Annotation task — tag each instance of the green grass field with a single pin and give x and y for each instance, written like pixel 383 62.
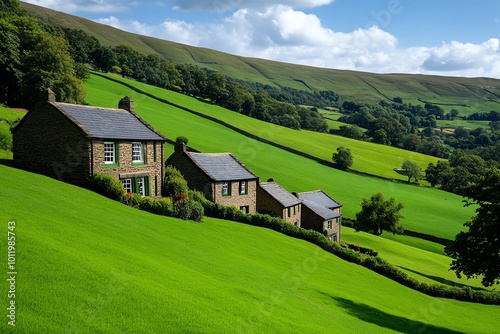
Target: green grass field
pixel 424 265
pixel 114 269
pixel 368 157
pixel 426 210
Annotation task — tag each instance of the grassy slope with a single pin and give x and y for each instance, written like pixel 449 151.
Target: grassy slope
pixel 115 269
pixel 424 265
pixel 368 157
pixel 426 210
pixel 476 93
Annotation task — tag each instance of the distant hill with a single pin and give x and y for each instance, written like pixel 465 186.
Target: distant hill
pixel 465 94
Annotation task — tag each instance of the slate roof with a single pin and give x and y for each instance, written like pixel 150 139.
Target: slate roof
pixel 108 123
pixel 319 197
pixel 221 166
pixel 320 210
pixel 280 194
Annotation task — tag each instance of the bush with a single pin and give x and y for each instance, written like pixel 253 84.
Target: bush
pixel 132 200
pixel 174 183
pixel 181 139
pixel 107 185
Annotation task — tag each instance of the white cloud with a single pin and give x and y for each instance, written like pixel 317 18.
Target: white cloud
pixel 91 6
pixel 228 5
pixel 284 34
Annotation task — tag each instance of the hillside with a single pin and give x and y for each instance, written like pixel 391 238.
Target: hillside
pixel 114 269
pixel 465 94
pixel 426 210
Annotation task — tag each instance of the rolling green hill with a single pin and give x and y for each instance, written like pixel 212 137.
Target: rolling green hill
pixel 426 210
pixel 465 94
pixel 87 264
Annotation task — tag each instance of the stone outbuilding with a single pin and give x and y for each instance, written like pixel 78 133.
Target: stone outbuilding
pixel 321 213
pixel 221 177
pixel 71 142
pixel 278 202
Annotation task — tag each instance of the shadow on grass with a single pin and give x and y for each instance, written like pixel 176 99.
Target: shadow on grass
pixel 443 280
pixel 399 324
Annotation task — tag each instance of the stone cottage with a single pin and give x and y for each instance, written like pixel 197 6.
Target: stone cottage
pixel 221 177
pixel 71 142
pixel 278 202
pixel 321 213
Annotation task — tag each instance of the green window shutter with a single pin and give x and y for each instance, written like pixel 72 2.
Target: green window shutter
pixel 154 152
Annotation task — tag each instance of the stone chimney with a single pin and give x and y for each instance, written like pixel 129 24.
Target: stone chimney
pixel 47 95
pixel 126 103
pixel 180 147
pixel 270 180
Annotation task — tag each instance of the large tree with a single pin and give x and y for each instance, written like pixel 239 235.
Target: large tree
pixel 342 158
pixel 412 170
pixel 476 252
pixel 378 214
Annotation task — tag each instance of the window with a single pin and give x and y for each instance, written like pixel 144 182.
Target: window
pixel 137 152
pixel 109 153
pixel 245 208
pixel 329 224
pixel 333 237
pixel 141 186
pixel 289 212
pixel 127 183
pixel 243 188
pixel 138 185
pixel 226 189
pixel 337 221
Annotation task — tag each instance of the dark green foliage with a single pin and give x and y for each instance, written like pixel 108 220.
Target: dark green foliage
pixel 342 158
pixel 412 170
pixel 107 185
pixel 181 139
pixel 174 183
pixel 5 139
pixel 378 214
pixel 476 252
pixel 35 56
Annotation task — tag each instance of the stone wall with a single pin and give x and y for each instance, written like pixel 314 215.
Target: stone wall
pixel 198 180
pixel 268 204
pixel 195 177
pixel 126 169
pixel 46 142
pixel 249 199
pixel 311 220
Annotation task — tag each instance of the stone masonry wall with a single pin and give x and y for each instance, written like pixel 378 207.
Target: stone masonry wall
pixel 125 168
pixel 268 204
pixel 48 143
pixel 237 200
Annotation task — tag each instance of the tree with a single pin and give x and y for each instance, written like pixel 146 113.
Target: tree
pixel 476 252
pixel 181 139
pixel 412 170
pixel 378 214
pixel 342 158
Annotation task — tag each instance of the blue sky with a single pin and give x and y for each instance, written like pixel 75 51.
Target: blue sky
pixel 443 37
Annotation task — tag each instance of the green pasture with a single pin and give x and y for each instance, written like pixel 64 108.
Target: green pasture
pixel 465 123
pixel 368 157
pixel 426 210
pixel 426 266
pixel 87 264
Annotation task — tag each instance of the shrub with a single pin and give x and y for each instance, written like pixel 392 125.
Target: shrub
pixel 132 199
pixel 107 185
pixel 174 183
pixel 165 207
pixel 181 139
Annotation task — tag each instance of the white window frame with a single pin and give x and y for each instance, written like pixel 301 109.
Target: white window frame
pixel 137 152
pixel 226 189
pixel 127 184
pixel 245 209
pixel 141 185
pixel 243 187
pixel 109 152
